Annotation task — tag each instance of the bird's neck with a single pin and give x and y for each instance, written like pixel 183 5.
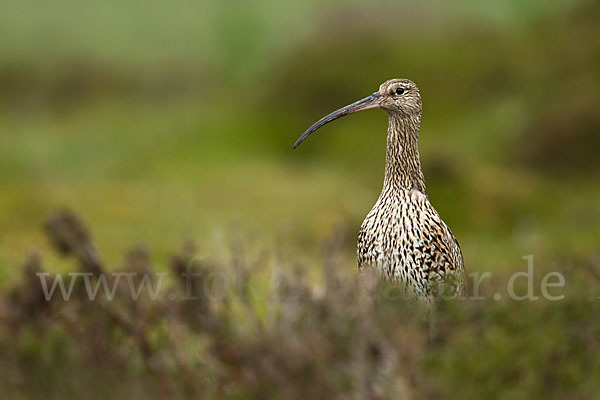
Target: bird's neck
pixel 402 164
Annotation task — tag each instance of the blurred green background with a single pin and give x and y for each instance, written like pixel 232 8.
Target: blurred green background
pixel 161 121
pixel 164 122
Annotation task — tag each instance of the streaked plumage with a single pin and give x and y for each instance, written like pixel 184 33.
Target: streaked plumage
pixel 403 237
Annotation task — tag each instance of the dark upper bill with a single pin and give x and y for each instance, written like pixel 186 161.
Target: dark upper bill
pixel 372 101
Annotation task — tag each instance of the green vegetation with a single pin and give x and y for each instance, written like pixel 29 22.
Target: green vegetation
pixel 162 125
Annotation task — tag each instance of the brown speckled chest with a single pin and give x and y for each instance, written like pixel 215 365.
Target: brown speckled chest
pixel 404 239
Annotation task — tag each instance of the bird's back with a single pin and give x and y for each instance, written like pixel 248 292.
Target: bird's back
pixel 404 239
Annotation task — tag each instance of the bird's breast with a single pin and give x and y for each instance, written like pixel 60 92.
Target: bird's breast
pixel 404 240
pixel 390 233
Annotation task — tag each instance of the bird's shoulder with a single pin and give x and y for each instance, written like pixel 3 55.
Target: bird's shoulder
pixel 435 232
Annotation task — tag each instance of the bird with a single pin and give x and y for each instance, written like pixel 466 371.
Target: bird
pixel 403 238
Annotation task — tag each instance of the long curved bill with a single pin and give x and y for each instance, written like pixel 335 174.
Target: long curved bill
pixel 372 101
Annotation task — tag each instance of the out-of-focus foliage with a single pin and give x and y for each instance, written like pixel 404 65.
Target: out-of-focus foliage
pixel 166 122
pixel 216 336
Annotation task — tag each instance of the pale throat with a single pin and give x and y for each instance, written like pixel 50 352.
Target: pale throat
pixel 402 164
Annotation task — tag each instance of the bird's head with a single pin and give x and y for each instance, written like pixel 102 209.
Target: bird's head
pixel 397 97
pixel 401 97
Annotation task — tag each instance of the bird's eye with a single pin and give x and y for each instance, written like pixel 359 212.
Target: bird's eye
pixel 399 91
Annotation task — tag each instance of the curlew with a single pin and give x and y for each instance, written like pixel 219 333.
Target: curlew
pixel 403 239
